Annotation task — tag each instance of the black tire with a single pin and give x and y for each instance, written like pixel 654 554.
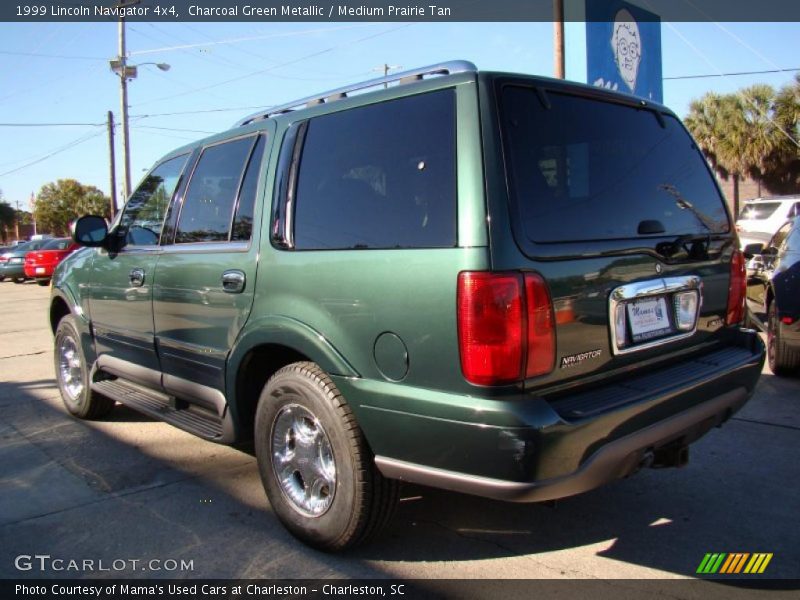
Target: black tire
pixel 19 280
pixel 43 282
pixel 361 502
pixel 72 374
pixel 783 359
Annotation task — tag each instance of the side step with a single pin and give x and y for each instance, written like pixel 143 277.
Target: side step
pixel 154 404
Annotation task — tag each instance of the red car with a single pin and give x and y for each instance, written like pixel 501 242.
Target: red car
pixel 41 263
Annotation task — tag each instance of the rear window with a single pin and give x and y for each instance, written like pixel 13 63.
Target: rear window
pixel 758 211
pixel 59 244
pixel 581 169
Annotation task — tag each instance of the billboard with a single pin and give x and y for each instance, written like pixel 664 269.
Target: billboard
pixel 623 48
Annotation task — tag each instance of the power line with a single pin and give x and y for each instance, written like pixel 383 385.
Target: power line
pixel 64 56
pixel 213 42
pixel 80 140
pixel 51 124
pixel 284 64
pixel 764 72
pixel 176 129
pixel 197 112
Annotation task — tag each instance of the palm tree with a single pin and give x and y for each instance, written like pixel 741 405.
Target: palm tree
pixel 715 124
pixel 761 135
pixel 783 163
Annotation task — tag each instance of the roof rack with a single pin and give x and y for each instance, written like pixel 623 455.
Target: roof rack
pixel 447 68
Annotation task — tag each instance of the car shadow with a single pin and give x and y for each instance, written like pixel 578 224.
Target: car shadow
pixel 105 489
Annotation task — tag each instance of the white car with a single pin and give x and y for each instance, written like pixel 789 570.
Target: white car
pixel 765 216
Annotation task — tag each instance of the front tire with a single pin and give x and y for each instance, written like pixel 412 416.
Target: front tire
pixel 316 467
pixel 72 374
pixel 783 359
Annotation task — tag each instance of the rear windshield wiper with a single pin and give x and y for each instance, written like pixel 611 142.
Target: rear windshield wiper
pixel 695 245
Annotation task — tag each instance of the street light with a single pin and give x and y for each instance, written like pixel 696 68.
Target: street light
pixel 121 68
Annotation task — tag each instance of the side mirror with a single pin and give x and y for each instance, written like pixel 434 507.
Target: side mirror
pixel 90 231
pixel 752 250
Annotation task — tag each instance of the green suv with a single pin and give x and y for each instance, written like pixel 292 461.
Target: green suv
pixel 491 283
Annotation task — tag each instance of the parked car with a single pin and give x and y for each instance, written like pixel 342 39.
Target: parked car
pixel 764 216
pixel 773 296
pixel 39 264
pixel 12 261
pixel 365 283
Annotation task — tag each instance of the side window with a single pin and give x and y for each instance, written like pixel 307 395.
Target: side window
pixel 209 201
pixel 380 176
pixel 778 239
pixel 795 212
pixel 243 217
pixel 143 215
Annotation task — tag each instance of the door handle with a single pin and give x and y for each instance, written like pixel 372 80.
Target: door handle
pixel 233 281
pixel 136 277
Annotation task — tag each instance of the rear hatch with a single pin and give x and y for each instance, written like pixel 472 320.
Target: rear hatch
pixel 610 201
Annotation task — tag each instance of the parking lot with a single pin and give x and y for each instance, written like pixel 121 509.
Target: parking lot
pixel 131 489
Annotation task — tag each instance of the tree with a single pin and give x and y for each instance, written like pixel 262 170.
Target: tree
pixel 712 121
pixel 59 203
pixel 7 217
pixel 783 172
pixel 752 132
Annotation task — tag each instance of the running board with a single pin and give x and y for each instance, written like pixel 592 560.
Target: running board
pixel 182 415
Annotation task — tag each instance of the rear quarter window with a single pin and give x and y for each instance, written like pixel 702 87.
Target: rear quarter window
pixel 379 176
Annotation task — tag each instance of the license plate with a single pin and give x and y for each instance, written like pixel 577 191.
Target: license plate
pixel 40 270
pixel 649 319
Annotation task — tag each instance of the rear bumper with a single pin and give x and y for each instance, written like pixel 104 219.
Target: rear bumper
pixel 532 449
pixel 46 273
pixel 13 270
pixel 612 461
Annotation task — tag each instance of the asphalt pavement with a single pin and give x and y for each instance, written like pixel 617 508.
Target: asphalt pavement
pixel 139 498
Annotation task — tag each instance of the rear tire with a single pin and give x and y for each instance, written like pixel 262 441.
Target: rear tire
pixel 19 280
pixel 72 374
pixel 43 282
pixel 783 359
pixel 316 467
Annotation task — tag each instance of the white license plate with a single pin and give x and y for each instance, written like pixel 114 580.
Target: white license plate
pixel 40 270
pixel 648 319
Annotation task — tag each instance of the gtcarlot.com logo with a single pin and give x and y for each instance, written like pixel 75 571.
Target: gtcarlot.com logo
pixel 734 563
pixel 45 562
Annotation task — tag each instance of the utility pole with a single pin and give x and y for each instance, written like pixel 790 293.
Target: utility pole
pixel 16 222
pixel 386 68
pixel 119 65
pixel 558 39
pixel 33 211
pixel 123 82
pixel 112 164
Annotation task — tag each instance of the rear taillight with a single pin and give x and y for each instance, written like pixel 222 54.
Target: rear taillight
pixel 505 327
pixel 541 330
pixel 736 289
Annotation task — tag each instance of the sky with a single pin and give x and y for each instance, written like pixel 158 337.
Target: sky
pixel 56 76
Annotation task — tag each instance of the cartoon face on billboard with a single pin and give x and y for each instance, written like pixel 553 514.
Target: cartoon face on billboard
pixel 627 47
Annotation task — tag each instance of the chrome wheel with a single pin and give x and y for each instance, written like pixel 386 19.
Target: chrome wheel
pixel 70 369
pixel 302 460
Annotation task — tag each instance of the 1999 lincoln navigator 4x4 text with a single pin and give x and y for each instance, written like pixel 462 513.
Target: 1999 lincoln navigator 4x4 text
pixel 497 284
